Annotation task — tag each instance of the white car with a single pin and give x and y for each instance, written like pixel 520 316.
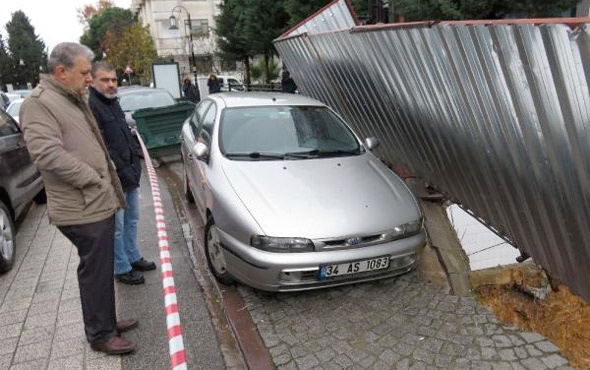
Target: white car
pixel 14 108
pixel 292 199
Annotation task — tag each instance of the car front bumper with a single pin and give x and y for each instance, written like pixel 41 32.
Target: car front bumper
pixel 281 272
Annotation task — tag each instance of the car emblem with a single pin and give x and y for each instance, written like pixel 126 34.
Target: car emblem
pixel 355 240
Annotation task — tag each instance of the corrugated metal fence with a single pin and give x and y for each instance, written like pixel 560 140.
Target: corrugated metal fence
pixel 496 116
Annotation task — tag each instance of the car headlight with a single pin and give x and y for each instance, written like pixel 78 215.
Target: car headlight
pixel 282 245
pixel 404 230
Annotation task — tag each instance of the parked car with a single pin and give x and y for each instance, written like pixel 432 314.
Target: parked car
pixel 14 108
pixel 20 183
pixel 133 98
pixel 290 196
pixel 230 83
pixel 18 94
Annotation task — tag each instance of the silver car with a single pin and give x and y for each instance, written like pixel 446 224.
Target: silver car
pixel 292 199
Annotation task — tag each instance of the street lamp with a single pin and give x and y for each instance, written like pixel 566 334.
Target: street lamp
pixel 174 26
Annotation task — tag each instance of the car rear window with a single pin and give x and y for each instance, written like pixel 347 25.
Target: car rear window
pixel 132 101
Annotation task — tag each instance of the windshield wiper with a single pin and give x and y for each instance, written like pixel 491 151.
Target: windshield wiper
pixel 338 152
pixel 302 155
pixel 256 155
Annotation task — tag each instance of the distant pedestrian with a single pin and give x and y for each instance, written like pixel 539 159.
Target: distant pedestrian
pixel 190 91
pixel 213 84
pixel 122 147
pixel 287 83
pixel 83 190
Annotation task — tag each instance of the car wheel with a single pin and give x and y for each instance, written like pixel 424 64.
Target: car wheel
pixel 7 233
pixel 214 253
pixel 187 191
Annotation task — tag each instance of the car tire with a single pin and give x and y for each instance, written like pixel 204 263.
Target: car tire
pixel 214 254
pixel 7 241
pixel 187 191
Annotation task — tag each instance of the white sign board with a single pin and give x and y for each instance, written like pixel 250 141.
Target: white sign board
pixel 167 76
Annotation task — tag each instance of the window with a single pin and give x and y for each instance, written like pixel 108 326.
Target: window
pixel 200 27
pixel 197 118
pixel 7 125
pixel 208 124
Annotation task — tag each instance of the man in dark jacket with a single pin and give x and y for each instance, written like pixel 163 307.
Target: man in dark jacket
pixel 287 83
pixel 123 150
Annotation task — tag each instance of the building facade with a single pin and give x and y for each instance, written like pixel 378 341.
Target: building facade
pixel 175 44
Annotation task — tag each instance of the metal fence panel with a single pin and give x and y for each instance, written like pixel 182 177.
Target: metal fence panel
pixel 496 116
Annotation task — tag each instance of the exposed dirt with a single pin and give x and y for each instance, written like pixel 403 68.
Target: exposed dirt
pixel 562 317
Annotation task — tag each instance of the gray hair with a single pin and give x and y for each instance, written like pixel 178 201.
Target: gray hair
pixel 65 54
pixel 101 66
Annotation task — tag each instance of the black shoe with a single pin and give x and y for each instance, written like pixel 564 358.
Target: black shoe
pixel 143 265
pixel 130 278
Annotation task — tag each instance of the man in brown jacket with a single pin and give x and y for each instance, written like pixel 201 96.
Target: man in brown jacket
pixel 83 190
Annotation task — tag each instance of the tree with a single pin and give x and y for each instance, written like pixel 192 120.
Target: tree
pixel 298 10
pixel 27 51
pixel 88 11
pixel 477 9
pixel 262 22
pixel 114 35
pixel 135 48
pixel 232 43
pixel 116 20
pixel 6 71
pixel 259 69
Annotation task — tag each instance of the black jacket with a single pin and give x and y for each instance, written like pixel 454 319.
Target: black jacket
pixel 191 93
pixel 287 83
pixel 121 144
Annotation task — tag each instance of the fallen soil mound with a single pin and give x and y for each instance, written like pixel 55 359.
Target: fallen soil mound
pixel 562 316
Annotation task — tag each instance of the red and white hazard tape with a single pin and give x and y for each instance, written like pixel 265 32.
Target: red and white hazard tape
pixel 175 342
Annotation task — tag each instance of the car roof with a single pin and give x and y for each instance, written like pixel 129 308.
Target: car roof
pixel 245 99
pixel 122 90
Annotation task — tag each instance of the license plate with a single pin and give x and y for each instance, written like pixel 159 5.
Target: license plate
pixel 349 268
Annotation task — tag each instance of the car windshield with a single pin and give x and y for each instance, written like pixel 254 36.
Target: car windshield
pixel 132 101
pixel 285 132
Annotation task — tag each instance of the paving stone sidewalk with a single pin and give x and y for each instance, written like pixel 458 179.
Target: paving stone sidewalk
pixel 40 313
pixel 398 323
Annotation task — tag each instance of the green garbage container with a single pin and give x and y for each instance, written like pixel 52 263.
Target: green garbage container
pixel 160 127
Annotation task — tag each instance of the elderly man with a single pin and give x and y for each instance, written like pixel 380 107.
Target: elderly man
pixel 83 191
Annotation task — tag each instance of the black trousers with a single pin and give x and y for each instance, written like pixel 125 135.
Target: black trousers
pixel 95 244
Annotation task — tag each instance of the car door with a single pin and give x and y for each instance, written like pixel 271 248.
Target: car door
pixel 18 175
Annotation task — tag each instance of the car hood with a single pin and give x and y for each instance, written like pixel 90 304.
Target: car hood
pixel 322 198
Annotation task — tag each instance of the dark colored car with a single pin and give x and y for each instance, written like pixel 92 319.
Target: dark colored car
pixel 20 183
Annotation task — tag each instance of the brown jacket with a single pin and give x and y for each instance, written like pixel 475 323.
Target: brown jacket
pixel 64 141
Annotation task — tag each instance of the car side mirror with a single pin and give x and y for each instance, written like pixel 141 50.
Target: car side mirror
pixel 201 150
pixel 371 143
